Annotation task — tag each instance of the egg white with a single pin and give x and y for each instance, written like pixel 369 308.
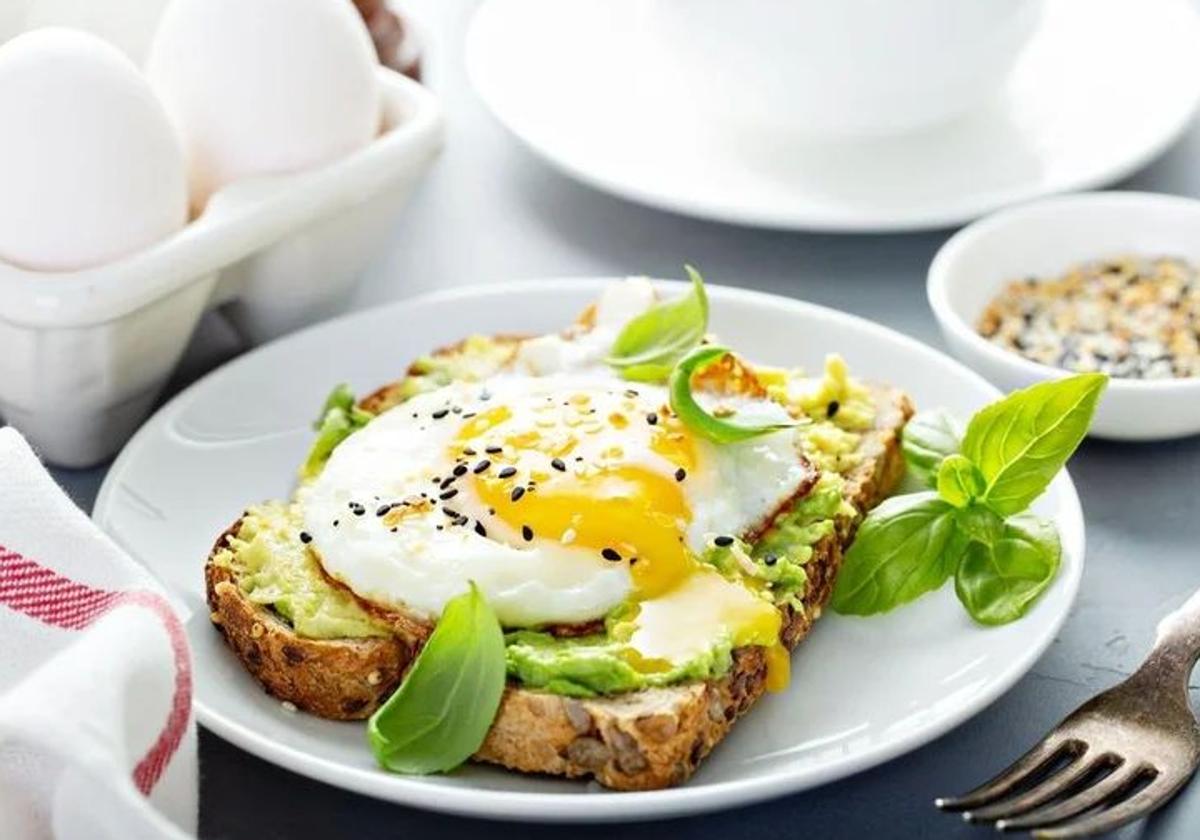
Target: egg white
pixel 428 557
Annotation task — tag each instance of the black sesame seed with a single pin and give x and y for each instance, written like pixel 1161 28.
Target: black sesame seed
pixel 450 512
pixel 383 509
pixel 394 529
pixel 723 541
pixel 461 469
pixel 494 450
pixel 611 554
pixel 435 479
pixel 449 494
pixel 446 482
pixel 441 528
pixel 632 560
pixel 457 409
pixel 491 511
pixel 479 529
pixel 305 537
pixel 335 523
pixel 631 393
pixel 357 509
pixel 680 474
pixel 468 415
pixel 468 450
pixel 652 418
pixel 517 493
pixel 558 464
pixel 462 520
pixel 770 559
pixel 831 410
pixel 527 533
pixel 481 466
pixel 440 413
pixel 507 472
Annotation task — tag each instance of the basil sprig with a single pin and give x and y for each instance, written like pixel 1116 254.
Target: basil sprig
pixel 695 416
pixel 975 526
pixel 442 711
pixel 339 419
pixel 650 344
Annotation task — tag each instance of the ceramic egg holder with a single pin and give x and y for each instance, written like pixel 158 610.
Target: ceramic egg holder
pixel 84 355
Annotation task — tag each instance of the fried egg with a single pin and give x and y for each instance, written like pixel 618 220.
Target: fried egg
pixel 561 497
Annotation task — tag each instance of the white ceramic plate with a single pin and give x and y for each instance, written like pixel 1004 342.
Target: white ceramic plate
pixel 1103 88
pixel 863 691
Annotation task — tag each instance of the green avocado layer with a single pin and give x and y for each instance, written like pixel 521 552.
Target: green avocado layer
pixel 273 568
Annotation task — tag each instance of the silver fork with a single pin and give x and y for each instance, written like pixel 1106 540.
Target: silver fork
pixel 1113 760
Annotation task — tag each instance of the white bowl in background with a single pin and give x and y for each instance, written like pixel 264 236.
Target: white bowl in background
pixel 84 354
pixel 852 68
pixel 1045 238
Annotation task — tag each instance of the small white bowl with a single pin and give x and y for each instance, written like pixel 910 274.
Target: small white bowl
pixel 1045 238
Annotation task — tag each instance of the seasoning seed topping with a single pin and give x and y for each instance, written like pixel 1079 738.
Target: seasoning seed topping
pixel 481 466
pixel 611 554
pixel 527 533
pixel 558 464
pixel 507 472
pixel 680 474
pixel 1131 317
pixel 305 537
pixel 517 493
pixel 723 541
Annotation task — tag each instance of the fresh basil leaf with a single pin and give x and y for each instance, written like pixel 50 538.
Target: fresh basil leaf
pixel 649 345
pixel 694 415
pixel 443 709
pixel 341 397
pixel 927 439
pixel 959 481
pixel 898 554
pixel 979 522
pixel 999 583
pixel 1021 441
pixel 339 419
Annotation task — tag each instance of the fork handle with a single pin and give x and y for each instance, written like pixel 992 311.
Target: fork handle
pixel 1177 643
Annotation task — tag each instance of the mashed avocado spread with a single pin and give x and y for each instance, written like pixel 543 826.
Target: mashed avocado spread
pixel 273 567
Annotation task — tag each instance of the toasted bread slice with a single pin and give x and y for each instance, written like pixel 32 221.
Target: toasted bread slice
pixel 642 740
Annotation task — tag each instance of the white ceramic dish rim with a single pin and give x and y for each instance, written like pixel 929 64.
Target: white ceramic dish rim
pixel 944 262
pixel 232 226
pixel 608 806
pixel 948 215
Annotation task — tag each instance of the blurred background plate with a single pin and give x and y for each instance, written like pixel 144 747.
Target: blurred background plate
pixel 1103 87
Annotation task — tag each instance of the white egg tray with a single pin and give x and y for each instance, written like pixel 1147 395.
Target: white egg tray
pixel 84 355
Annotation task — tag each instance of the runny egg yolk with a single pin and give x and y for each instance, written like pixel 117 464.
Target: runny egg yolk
pixel 600 472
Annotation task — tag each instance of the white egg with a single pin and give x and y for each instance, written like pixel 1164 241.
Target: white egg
pixel 264 86
pixel 90 168
pixel 559 496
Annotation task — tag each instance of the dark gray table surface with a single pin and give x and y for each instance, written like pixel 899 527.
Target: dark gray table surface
pixel 489 212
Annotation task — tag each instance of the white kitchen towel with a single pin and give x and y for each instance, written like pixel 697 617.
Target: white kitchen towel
pixel 96 733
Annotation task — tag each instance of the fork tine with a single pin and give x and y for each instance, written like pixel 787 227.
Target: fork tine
pixel 1065 781
pixel 1038 758
pixel 1135 807
pixel 1085 800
